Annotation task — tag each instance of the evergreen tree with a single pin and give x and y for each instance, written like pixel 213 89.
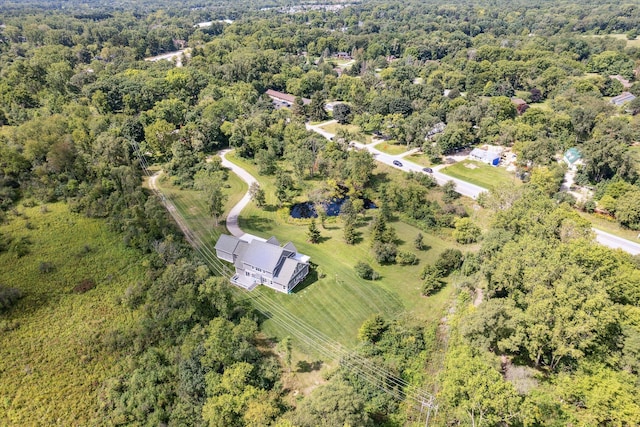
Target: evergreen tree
pixel 350 234
pixel 378 227
pixel 316 107
pixel 298 109
pixel 313 233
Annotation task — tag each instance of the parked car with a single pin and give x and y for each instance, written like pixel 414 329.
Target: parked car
pixel 397 163
pixel 427 170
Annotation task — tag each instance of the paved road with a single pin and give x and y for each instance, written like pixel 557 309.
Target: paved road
pixel 608 239
pixel 467 189
pixel 318 129
pixel 462 187
pixel 169 56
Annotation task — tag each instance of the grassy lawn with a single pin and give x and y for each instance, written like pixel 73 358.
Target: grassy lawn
pixel 630 43
pixel 480 174
pixel 421 159
pixel 334 127
pixel 545 106
pixel 52 358
pixel 193 207
pixel 389 148
pixel 337 303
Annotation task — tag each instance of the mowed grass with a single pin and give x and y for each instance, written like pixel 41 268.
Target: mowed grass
pixel 338 303
pixel 334 127
pixel 480 174
pixel 52 363
pixel 193 207
pixel 421 159
pixel 389 148
pixel 630 43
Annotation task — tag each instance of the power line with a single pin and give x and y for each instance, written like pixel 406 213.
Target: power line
pixel 395 386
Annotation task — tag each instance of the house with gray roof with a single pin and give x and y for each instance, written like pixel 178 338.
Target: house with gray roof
pixel 485 156
pixel 259 262
pixel 436 129
pixel 622 99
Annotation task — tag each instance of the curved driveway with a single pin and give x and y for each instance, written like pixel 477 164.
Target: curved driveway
pixel 234 213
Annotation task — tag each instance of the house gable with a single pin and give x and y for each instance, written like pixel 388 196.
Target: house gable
pixel 263 262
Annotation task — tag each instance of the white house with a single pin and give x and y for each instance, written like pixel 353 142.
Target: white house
pixel 267 263
pixel 485 156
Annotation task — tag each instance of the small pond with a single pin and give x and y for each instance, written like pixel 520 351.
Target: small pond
pixel 331 207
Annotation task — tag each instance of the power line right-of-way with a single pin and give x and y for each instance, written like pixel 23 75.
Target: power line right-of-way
pixel 307 335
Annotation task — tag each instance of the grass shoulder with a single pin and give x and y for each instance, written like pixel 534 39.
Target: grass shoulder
pixel 391 148
pixel 480 174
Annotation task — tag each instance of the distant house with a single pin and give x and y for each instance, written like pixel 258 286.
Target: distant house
pixel 259 262
pixel 572 157
pixel 622 99
pixel 520 104
pixel 179 43
pixel 343 55
pixel 485 156
pixel 436 129
pixel 625 83
pixel 284 99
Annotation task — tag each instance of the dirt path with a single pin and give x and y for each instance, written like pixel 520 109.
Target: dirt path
pixel 479 297
pixel 171 208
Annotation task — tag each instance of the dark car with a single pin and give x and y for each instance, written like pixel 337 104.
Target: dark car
pixel 397 163
pixel 427 170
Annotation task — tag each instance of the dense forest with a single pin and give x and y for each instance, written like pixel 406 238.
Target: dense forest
pixel 541 325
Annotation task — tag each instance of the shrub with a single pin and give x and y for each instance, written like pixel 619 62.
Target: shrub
pixel 430 270
pixel 372 329
pixel 418 242
pixel 466 231
pixel 449 261
pixel 406 258
pixel 8 297
pixel 365 271
pixel 385 253
pixel 431 285
pixel 590 206
pixel 84 286
pixel 449 193
pixel 20 247
pixel 46 267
